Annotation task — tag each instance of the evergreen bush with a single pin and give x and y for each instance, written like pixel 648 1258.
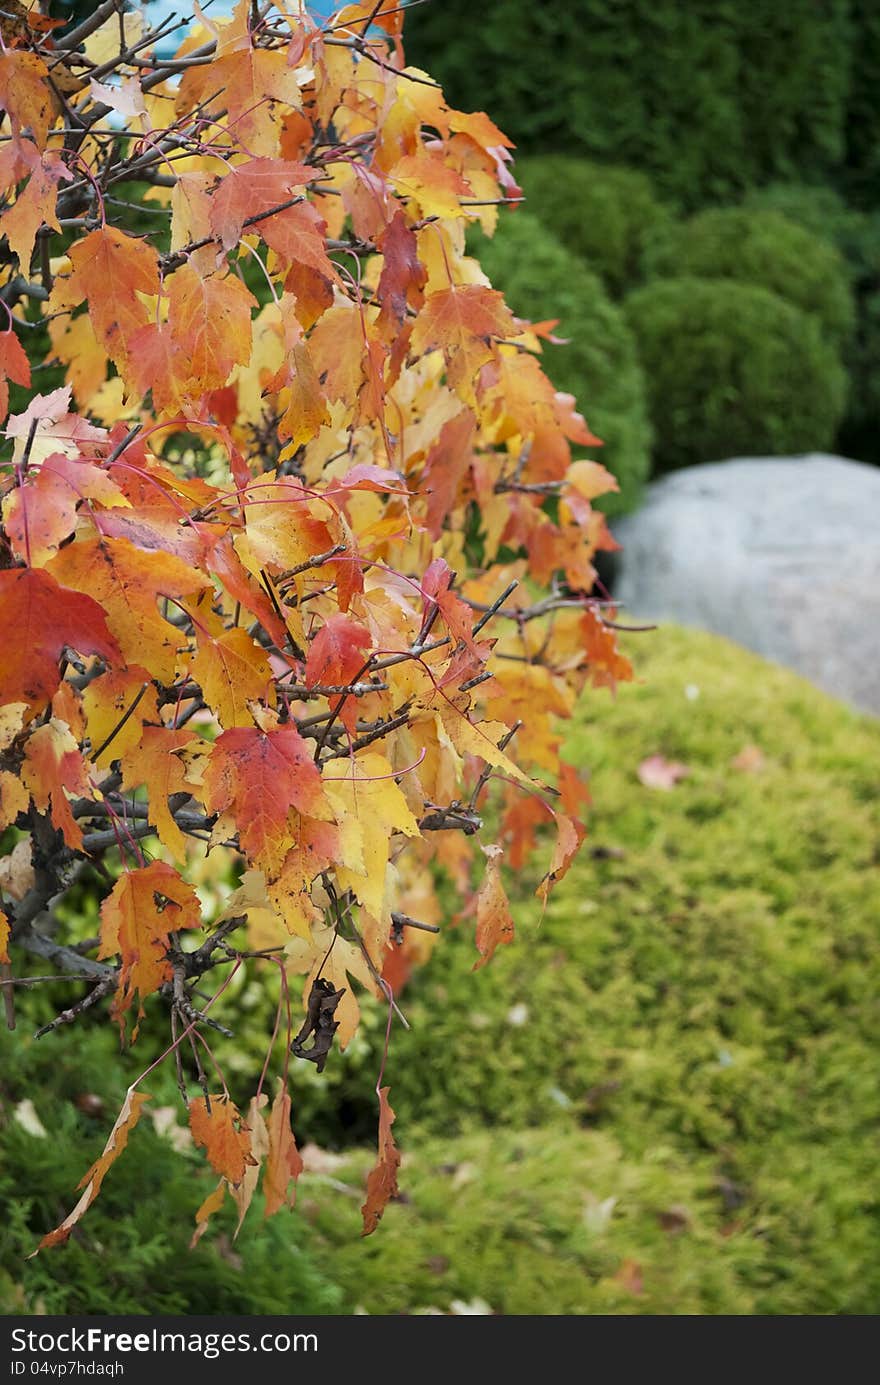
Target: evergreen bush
pixel 733 370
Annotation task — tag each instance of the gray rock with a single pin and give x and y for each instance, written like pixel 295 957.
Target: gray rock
pixel 780 554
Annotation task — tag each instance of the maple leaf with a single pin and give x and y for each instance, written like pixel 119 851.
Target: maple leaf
pixel 117 1140
pixel 4 938
pixel 39 515
pixel 115 707
pixel 112 270
pixel 128 582
pixel 445 467
pixel 431 184
pixel 494 923
pixel 463 322
pixel 232 671
pixel 243 1192
pixel 607 666
pixel 382 1178
pixel 336 656
pixel 402 281
pixel 53 767
pixel 219 1130
pixel 336 959
pixel 26 96
pixel 35 204
pixel 14 798
pixel 260 776
pixel 283 1162
pixel 144 907
pixel 280 531
pixel 569 835
pixel 249 78
pixel 46 618
pixel 210 323
pixel 252 190
pixel 212 1203
pixel 366 797
pixel 456 613
pixel 156 763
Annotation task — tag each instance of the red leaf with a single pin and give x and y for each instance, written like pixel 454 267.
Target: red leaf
pixel 261 776
pixel 46 618
pixel 336 653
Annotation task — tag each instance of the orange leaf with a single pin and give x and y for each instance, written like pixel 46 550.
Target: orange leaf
pixel 111 270
pixel 128 581
pixel 403 277
pixel 117 1140
pixel 456 613
pixel 382 1179
pixel 336 656
pixel 212 1203
pixel 53 767
pixel 462 322
pixel 155 763
pixel 251 190
pixel 223 1135
pixel 607 666
pixel 110 699
pixel 143 908
pixel 210 322
pixel 569 835
pixel 42 513
pixel 494 923
pixel 232 670
pixel 25 95
pixel 283 1162
pixel 445 467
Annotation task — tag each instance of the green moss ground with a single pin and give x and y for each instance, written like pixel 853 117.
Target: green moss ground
pixel 700 1043
pixel 661 1099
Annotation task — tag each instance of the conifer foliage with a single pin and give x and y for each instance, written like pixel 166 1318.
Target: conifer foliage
pixel 295 563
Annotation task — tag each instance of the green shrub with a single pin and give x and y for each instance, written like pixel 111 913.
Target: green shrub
pixel 857 236
pixel 130 1252
pixel 694 1022
pixel 763 248
pixel 733 370
pixel 599 365
pixel 604 215
pixel 708 97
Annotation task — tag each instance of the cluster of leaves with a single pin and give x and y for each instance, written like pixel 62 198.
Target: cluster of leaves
pixel 303 455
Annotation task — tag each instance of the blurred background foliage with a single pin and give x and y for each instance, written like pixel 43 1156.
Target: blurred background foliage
pixel 654 140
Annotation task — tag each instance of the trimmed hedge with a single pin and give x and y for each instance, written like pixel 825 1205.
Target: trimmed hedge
pixel 733 370
pixel 691 1030
pixel 599 364
pixel 762 248
pixel 710 97
pixel 604 215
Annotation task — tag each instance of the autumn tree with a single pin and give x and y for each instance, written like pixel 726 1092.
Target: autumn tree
pixel 295 562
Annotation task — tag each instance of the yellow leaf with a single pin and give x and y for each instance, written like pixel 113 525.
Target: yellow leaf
pixel 367 792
